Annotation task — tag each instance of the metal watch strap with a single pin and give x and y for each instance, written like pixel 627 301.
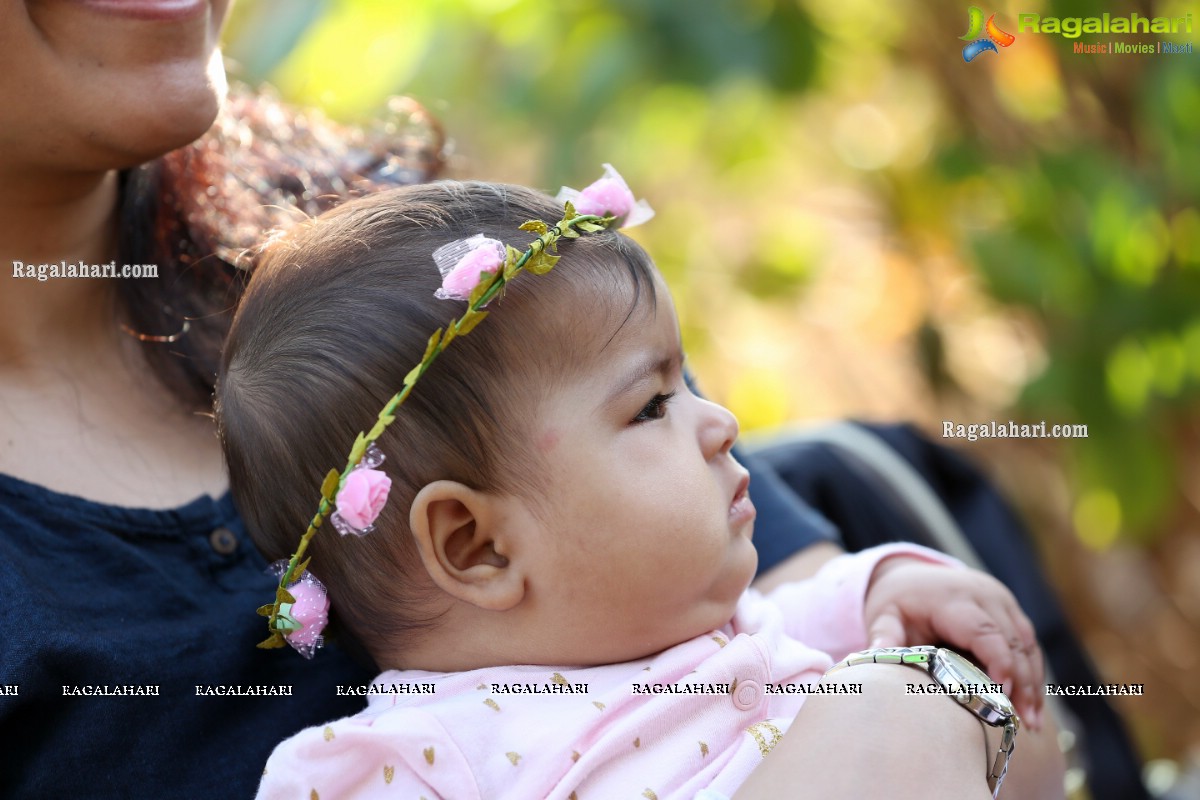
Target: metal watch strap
pixel 922 657
pixel 999 767
pixel 911 656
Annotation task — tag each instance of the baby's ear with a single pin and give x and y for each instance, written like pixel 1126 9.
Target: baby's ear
pixel 460 537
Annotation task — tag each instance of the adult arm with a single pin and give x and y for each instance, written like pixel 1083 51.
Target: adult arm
pixel 886 742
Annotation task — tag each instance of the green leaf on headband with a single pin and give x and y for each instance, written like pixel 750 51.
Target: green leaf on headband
pixel 589 227
pixel 282 595
pixel 412 375
pixel 470 320
pixel 511 258
pixel 356 453
pixel 330 486
pixel 267 610
pixel 542 263
pixel 275 640
pixel 570 233
pixel 569 212
pixel 385 418
pixel 480 289
pixel 432 344
pixel 536 226
pixel 299 571
pixel 285 623
pixel 451 332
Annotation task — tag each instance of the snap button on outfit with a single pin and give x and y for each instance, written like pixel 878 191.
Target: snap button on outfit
pixel 223 541
pixel 745 695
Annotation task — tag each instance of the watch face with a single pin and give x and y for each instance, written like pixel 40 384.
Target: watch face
pixel 960 670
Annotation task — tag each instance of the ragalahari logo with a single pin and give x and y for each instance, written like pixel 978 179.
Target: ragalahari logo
pixel 978 44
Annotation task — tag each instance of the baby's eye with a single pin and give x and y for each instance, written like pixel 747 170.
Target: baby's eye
pixel 655 409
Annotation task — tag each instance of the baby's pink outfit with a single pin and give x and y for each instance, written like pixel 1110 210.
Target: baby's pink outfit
pixel 700 715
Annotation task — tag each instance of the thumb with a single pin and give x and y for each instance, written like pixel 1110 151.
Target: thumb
pixel 886 630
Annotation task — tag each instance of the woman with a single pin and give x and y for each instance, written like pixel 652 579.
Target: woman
pixel 126 576
pixel 124 566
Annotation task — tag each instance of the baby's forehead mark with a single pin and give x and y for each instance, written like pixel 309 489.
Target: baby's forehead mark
pixel 545 441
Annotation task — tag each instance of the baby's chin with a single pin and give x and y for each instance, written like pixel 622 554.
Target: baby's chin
pixel 720 602
pixel 743 564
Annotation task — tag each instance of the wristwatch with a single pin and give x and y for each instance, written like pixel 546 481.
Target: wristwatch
pixel 966 683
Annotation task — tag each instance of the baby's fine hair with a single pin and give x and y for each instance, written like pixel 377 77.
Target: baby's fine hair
pixel 337 312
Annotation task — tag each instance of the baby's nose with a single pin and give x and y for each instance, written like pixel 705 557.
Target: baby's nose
pixel 719 429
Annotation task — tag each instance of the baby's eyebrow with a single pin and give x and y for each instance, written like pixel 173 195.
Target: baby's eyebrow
pixel 661 366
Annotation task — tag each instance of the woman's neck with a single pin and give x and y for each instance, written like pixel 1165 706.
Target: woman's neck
pixel 48 219
pixel 82 412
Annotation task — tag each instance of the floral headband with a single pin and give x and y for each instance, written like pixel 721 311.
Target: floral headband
pixel 475 269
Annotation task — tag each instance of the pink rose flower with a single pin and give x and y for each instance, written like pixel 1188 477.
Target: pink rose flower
pixel 362 497
pixel 606 197
pixel 311 610
pixel 486 255
pixel 609 197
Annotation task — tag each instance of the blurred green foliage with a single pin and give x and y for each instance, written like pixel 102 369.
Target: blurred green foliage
pixel 1068 185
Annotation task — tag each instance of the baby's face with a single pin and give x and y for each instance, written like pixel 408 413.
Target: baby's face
pixel 647 526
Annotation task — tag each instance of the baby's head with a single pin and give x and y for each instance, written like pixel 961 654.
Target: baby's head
pixel 558 494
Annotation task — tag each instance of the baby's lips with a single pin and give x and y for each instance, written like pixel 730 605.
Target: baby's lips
pixel 743 487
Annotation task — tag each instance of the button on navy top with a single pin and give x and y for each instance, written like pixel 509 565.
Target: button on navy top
pixel 96 595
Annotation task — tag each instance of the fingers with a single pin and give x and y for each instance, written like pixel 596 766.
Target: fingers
pixel 1031 671
pixel 977 629
pixel 1025 679
pixel 999 634
pixel 887 629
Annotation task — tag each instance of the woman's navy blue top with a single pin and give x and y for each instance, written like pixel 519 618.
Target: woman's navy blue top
pixel 93 595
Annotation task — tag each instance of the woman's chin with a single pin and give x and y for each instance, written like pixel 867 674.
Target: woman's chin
pixel 93 86
pixel 146 125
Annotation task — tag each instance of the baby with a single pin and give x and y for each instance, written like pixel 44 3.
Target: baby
pixel 545 543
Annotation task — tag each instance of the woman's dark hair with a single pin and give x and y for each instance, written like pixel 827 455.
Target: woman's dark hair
pixel 338 311
pixel 199 211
